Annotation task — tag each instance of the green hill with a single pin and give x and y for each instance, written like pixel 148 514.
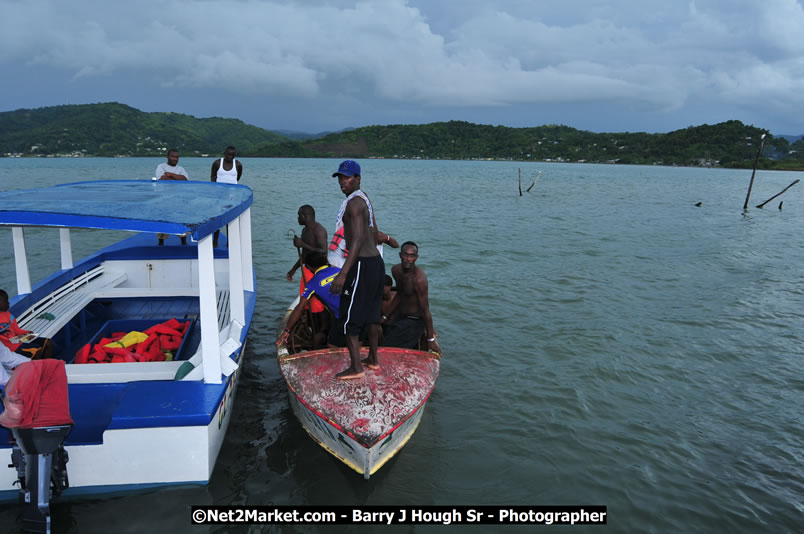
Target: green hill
pixel 726 144
pixel 116 129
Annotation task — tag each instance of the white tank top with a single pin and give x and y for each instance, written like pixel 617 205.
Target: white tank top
pixel 227 177
pixel 336 255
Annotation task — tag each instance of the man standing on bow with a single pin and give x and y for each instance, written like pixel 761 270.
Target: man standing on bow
pixel 360 282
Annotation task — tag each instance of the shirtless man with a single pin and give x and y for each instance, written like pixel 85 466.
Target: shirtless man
pixel 360 282
pixel 411 305
pixel 226 170
pixel 313 241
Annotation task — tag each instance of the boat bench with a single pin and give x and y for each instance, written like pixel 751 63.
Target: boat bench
pixel 224 311
pixel 67 301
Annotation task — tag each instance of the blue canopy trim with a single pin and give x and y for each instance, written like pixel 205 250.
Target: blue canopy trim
pixel 164 206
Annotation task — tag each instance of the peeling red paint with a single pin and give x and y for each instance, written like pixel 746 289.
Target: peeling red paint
pixel 367 408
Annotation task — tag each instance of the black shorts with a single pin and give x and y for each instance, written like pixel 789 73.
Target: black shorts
pixel 361 300
pixel 36 348
pixel 404 332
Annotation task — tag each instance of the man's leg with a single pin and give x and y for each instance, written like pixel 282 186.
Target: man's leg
pixel 373 338
pixel 356 369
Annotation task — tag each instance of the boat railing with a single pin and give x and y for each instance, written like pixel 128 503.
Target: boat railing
pixel 51 313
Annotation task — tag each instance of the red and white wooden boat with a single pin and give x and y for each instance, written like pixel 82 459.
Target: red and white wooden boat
pixel 361 422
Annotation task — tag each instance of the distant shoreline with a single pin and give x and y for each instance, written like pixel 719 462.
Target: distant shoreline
pixel 795 168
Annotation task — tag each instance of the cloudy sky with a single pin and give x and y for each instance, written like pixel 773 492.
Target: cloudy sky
pixel 317 65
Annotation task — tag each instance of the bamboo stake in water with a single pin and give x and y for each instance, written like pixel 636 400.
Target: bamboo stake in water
pixel 776 195
pixel 520 182
pixel 534 182
pixel 751 183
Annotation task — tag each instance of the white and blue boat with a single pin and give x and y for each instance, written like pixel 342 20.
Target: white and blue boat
pixel 139 424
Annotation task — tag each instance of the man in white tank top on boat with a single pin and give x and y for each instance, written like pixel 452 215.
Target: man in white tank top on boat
pixel 226 170
pixel 337 251
pixel 361 279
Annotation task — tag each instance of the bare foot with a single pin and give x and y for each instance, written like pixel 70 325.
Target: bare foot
pixel 350 374
pixel 371 365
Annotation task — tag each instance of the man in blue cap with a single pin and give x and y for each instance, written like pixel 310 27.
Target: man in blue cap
pixel 360 282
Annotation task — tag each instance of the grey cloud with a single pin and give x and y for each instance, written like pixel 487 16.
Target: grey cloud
pixel 658 55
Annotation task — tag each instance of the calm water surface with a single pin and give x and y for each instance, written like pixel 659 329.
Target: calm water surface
pixel 606 341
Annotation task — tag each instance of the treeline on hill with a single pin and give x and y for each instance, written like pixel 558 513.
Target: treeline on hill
pixel 114 129
pixel 728 144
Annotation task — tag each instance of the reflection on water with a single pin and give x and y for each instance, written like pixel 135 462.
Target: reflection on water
pixel 607 342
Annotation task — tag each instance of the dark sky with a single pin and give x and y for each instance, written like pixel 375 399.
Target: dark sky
pixel 618 65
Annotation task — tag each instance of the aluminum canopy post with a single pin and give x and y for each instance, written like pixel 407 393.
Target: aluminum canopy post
pixel 245 240
pixel 237 304
pixel 210 340
pixel 21 261
pixel 66 249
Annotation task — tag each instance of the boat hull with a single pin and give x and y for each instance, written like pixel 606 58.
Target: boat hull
pixel 364 460
pixel 136 458
pixel 362 422
pixel 135 426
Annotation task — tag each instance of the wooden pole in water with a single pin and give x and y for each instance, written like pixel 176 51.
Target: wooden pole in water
pixel 760 206
pixel 534 182
pixel 756 161
pixel 520 182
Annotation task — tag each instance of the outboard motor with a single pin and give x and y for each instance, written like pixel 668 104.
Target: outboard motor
pixel 37 412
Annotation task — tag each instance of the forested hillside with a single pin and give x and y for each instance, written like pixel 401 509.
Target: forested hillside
pixel 120 130
pixel 726 144
pixel 116 129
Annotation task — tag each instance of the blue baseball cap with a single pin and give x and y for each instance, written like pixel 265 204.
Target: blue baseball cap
pixel 348 168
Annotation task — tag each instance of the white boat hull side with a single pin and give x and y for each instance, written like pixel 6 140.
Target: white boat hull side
pixel 216 431
pixel 365 461
pixel 168 455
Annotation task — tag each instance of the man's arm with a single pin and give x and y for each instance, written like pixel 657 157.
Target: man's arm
pixel 319 241
pixel 172 176
pixel 293 270
pixel 16 330
pixel 214 173
pixel 424 306
pixel 292 320
pixel 386 239
pixel 239 169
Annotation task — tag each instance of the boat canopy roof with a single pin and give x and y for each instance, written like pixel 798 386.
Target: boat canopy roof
pixel 164 206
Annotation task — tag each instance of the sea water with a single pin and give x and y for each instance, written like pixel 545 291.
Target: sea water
pixel 607 342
